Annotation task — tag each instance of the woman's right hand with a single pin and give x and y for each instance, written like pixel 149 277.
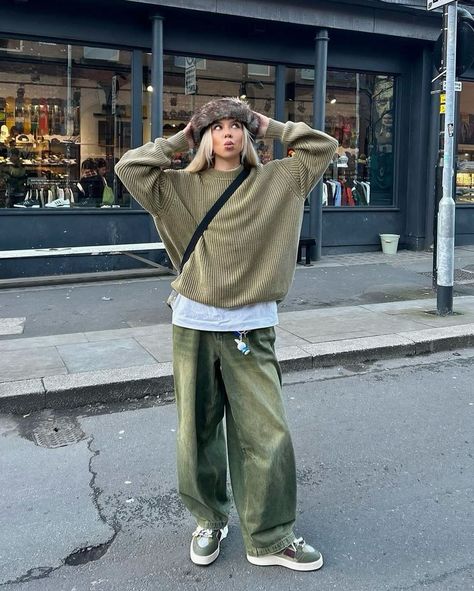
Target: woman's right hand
pixel 188 133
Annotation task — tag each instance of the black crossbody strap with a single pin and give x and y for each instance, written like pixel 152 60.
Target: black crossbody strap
pixel 206 220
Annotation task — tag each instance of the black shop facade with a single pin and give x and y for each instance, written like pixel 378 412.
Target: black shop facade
pixel 81 85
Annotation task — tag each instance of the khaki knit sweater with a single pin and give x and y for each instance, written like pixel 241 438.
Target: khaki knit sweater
pixel 248 253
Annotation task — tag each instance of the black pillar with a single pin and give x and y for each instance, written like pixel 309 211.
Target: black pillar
pixel 137 106
pixel 157 78
pixel 319 115
pixel 280 82
pixel 137 98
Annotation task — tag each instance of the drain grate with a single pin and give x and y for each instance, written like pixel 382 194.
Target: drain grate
pixel 58 433
pixel 459 275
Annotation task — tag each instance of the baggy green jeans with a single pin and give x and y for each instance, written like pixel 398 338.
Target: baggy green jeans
pixel 213 381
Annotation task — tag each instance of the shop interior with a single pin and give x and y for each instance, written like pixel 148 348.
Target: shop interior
pixel 65 120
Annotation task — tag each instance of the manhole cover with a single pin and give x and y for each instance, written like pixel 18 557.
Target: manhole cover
pixel 58 433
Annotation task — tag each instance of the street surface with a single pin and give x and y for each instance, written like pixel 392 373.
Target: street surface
pixel 64 309
pixel 384 459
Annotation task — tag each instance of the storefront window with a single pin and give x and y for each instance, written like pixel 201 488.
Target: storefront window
pixel 359 114
pixel 64 122
pixel 465 164
pixel 214 78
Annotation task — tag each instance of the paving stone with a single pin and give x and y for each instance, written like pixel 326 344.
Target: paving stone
pixel 48 341
pixel 104 354
pixel 158 345
pixel 30 363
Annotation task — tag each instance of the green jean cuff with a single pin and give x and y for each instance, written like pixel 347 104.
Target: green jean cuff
pixel 274 548
pixel 212 524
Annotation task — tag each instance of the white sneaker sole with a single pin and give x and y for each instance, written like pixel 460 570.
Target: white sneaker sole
pixel 273 560
pixel 205 560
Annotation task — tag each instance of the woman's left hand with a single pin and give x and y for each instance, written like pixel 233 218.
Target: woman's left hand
pixel 264 121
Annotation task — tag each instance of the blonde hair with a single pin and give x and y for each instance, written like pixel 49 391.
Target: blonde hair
pixel 204 157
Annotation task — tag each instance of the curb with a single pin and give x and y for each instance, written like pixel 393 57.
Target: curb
pixel 117 385
pixel 47 280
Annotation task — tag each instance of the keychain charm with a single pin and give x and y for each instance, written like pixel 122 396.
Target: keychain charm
pixel 241 345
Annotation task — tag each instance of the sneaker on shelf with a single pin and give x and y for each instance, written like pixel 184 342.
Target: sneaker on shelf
pixel 59 203
pixel 205 545
pixel 297 556
pixel 28 203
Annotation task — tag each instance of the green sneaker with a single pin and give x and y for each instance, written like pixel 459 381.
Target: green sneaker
pixel 206 544
pixel 298 556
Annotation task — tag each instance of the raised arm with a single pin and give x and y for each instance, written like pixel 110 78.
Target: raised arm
pixel 313 151
pixel 141 170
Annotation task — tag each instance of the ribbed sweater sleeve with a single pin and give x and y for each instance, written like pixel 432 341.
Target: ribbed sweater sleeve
pixel 313 151
pixel 141 170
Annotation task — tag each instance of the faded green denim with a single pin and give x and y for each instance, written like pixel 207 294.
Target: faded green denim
pixel 214 381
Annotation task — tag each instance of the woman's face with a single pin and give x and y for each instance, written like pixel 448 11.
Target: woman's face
pixel 227 140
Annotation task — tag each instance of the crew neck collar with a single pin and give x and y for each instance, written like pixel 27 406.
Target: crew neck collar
pixel 223 174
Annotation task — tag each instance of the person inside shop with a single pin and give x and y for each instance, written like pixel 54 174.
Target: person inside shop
pixel 14 177
pixel 107 192
pixel 91 185
pixel 101 164
pixel 224 313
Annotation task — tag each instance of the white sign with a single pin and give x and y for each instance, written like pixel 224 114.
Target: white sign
pixel 457 85
pixel 432 4
pixel 190 84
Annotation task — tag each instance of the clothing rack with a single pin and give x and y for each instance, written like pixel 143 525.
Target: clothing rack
pixel 41 182
pixel 46 191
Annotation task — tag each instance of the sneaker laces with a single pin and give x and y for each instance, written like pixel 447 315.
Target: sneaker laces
pixel 296 545
pixel 203 533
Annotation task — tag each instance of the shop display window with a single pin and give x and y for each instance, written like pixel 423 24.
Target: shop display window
pixel 64 122
pixel 214 78
pixel 465 160
pixel 360 115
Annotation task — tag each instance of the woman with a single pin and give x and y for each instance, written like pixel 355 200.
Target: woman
pixel 224 316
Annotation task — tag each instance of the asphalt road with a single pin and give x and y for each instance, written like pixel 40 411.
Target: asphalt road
pixel 384 459
pixel 140 302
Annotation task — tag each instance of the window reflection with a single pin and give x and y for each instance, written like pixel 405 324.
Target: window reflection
pixel 359 114
pixel 62 106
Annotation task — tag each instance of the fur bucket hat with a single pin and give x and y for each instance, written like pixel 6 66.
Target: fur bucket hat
pixel 224 108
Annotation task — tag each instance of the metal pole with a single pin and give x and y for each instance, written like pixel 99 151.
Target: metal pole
pixel 319 117
pixel 445 242
pixel 157 79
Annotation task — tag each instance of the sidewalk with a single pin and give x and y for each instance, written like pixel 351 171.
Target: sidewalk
pixel 70 370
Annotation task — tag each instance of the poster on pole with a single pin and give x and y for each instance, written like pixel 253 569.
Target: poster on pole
pixel 190 85
pixel 432 4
